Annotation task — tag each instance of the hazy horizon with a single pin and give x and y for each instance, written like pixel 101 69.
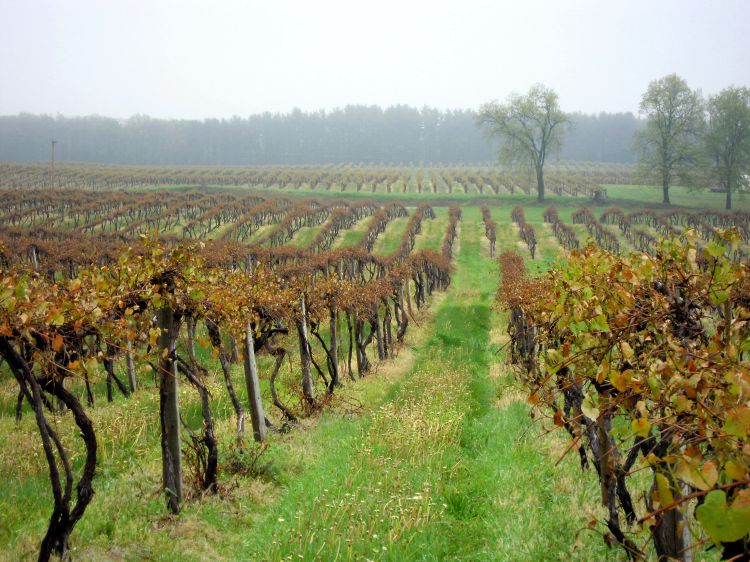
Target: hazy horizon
pixel 289 112
pixel 195 60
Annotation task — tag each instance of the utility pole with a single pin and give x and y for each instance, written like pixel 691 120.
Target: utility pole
pixel 52 168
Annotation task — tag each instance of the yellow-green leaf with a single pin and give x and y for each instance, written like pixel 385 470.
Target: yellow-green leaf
pixel 641 427
pixel 589 409
pixel 58 319
pixel 734 470
pixel 664 489
pixel 738 422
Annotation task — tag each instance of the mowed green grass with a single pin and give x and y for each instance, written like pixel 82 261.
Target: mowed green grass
pixel 433 231
pixel 352 236
pixel 390 240
pixel 651 196
pixel 304 236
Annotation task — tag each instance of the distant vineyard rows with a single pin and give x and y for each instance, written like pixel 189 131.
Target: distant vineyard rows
pixel 562 178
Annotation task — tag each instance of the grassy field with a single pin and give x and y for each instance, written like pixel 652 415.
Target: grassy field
pixel 390 240
pixel 352 236
pixel 304 236
pixel 431 236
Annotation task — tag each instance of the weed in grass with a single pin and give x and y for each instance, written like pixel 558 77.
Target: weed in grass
pixel 249 461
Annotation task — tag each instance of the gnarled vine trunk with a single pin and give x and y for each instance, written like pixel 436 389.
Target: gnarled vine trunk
pixel 63 518
pixel 304 352
pixel 169 409
pixel 253 387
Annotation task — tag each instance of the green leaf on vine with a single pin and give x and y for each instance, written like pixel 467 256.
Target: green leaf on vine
pixel 197 295
pixel 714 249
pixel 599 323
pixel 589 409
pixel 723 523
pixel 719 296
pixel 655 386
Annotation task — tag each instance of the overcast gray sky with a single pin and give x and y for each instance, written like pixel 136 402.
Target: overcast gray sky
pixel 219 58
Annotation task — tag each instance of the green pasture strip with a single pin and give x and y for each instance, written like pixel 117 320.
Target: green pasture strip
pixel 304 236
pixel 433 231
pixel 507 238
pixel 219 232
pixel 507 500
pixel 651 197
pixel 258 235
pixel 352 236
pixel 548 249
pixel 390 240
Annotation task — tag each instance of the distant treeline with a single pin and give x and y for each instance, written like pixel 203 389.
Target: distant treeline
pixel 356 133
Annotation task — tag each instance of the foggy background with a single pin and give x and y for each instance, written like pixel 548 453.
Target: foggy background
pixel 195 60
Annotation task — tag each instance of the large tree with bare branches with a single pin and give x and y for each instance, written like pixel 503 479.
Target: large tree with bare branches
pixel 529 128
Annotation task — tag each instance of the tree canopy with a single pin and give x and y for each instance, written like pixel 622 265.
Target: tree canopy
pixel 669 144
pixel 727 139
pixel 529 128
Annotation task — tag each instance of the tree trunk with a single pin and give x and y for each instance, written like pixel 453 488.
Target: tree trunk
pixel 63 518
pixel 357 338
pixel 351 346
pixel 279 354
pixel 304 353
pixel 234 357
pixel 402 318
pixel 363 363
pixel 540 183
pixel 387 328
pixel 375 322
pixel 109 367
pixel 19 406
pixel 667 533
pixel 253 387
pixel 729 196
pixel 418 291
pixel 132 381
pixel 210 465
pixel 665 190
pixel 334 357
pixel 169 410
pixel 408 297
pixel 215 335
